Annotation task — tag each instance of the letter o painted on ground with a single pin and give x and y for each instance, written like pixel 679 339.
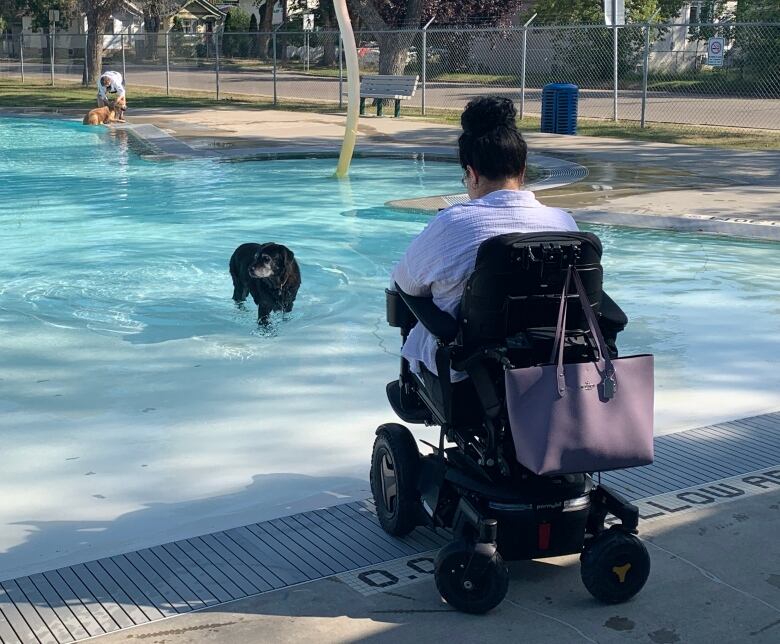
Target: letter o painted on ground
pixel 390 578
pixel 426 569
pixel 698 498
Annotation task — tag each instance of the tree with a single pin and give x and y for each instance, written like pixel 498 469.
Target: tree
pixel 325 15
pixel 156 13
pixel 253 28
pixel 238 22
pixel 591 12
pixel 758 47
pixel 585 55
pixel 38 10
pixel 379 16
pixel 265 28
pixel 97 13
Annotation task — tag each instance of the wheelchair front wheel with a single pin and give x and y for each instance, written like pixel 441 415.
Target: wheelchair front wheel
pixel 614 566
pixel 469 579
pixel 395 464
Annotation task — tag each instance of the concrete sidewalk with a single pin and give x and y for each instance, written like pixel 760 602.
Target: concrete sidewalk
pixel 715 578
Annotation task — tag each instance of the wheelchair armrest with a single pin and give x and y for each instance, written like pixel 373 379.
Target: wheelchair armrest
pixel 440 323
pixel 612 320
pixel 397 313
pixel 611 314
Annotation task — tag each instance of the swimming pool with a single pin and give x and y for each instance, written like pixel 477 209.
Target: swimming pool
pixel 139 405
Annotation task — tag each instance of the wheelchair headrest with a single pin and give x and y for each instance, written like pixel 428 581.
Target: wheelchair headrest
pixel 518 279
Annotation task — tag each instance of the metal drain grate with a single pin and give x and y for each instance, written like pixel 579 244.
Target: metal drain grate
pixel 106 595
pixel 702 455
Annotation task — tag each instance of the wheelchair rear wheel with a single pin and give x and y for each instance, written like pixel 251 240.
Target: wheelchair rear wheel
pixel 471 578
pixel 395 464
pixel 614 566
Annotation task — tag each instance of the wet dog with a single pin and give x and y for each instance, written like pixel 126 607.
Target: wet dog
pixel 269 273
pixel 100 116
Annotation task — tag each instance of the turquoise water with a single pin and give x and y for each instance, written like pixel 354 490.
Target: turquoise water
pixel 118 245
pixel 98 239
pixel 140 405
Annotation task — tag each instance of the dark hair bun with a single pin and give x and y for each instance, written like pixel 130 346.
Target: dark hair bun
pixel 487 113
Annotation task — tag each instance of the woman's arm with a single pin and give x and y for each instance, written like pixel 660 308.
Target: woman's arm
pixel 416 271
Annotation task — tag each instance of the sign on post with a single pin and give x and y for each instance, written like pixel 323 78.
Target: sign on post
pixel 715 49
pixel 614 12
pixel 278 14
pixel 54 15
pixel 308 22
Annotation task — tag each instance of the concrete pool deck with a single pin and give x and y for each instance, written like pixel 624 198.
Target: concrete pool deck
pixel 706 586
pixel 631 183
pixel 708 506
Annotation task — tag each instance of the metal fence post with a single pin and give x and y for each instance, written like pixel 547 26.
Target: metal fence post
pixel 273 46
pixel 51 46
pixel 124 70
pixel 424 66
pixel 425 61
pixel 646 68
pixel 341 72
pixel 644 75
pixel 615 71
pixel 86 63
pixel 522 65
pixel 167 66
pixel 216 54
pixel 21 54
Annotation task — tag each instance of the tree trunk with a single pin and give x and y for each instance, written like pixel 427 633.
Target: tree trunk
pixel 265 27
pixel 393 47
pixel 96 26
pixel 151 38
pixel 393 52
pixel 328 42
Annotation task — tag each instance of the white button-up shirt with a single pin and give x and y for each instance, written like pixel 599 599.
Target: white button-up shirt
pixel 115 86
pixel 441 258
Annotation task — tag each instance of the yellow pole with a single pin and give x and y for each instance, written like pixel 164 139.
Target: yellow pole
pixel 353 87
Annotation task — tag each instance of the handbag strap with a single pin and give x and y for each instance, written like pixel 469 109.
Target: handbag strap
pixel 563 309
pixel 610 384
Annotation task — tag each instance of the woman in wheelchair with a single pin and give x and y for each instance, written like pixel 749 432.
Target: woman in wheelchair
pixel 476 293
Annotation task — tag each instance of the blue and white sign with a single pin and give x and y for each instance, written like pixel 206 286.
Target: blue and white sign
pixel 715 50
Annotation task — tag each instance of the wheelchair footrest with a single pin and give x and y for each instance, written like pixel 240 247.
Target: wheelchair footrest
pixel 407 413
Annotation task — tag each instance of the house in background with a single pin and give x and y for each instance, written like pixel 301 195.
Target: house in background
pixel 128 19
pixel 125 25
pixel 196 17
pixel 679 50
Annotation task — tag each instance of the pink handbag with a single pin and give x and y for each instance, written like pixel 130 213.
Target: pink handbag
pixel 582 417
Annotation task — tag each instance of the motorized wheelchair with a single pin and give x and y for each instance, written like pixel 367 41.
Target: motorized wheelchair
pixel 471 483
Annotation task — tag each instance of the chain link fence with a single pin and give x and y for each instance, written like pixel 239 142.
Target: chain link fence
pixel 645 73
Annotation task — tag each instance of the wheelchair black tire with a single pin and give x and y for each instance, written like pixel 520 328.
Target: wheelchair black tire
pixel 395 454
pixel 614 566
pixel 487 590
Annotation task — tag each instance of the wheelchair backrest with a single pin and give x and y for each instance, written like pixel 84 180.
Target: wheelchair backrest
pixel 517 283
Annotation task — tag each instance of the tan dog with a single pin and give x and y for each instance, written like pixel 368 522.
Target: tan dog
pixel 100 116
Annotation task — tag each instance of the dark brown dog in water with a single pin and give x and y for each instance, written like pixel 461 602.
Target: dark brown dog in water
pixel 269 273
pixel 100 116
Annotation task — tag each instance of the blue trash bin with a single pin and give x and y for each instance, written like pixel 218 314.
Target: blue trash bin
pixel 559 108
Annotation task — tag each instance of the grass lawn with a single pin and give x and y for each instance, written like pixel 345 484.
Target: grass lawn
pixel 14 94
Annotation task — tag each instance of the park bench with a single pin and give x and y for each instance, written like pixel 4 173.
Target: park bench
pixel 381 88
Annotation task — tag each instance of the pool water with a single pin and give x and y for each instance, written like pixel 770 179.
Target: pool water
pixel 139 404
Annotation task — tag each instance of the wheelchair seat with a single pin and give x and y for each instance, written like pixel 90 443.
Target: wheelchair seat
pixel 507 316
